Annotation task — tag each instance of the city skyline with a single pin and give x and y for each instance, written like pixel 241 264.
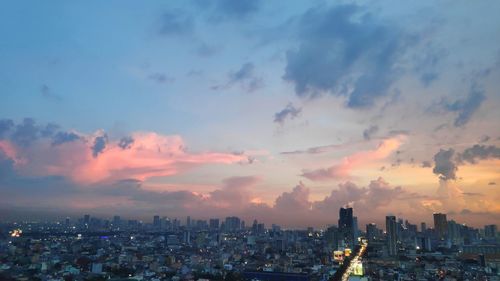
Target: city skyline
pixel 275 111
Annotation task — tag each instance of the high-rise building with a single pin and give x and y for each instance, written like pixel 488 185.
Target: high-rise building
pixel 440 225
pixel 188 221
pixel 332 237
pixel 86 219
pixel 490 231
pixel 214 224
pixel 391 228
pixel 346 226
pixel 232 224
pixel 371 232
pixel 423 227
pixel 156 221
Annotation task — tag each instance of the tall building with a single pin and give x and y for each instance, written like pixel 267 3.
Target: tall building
pixel 346 226
pixel 371 232
pixel 214 224
pixel 440 225
pixel 232 224
pixel 156 221
pixel 423 227
pixel 86 219
pixel 188 221
pixel 490 231
pixel 391 228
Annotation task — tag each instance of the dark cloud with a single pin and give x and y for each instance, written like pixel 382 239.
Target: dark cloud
pixel 492 183
pixel 428 78
pixel 26 132
pixel 160 78
pixel 245 77
pixel 369 132
pixel 48 93
pixel 290 111
pixel 99 144
pixel 426 164
pixel 484 138
pixel 466 107
pixel 5 126
pixel 126 142
pixel 444 165
pixel 479 152
pixel 344 47
pixel 238 9
pixel 49 130
pixel 176 23
pixel 64 137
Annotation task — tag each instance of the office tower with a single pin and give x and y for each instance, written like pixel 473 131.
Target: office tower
pixel 214 224
pixel 242 225
pixel 423 227
pixel 188 221
pixel 355 229
pixel 490 231
pixel 116 220
pixel 156 221
pixel 67 222
pixel 232 223
pixel 454 233
pixel 86 219
pixel 391 228
pixel 440 225
pixel 371 232
pixel 346 226
pixel 332 237
pixel 254 226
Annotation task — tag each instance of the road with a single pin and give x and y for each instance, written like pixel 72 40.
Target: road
pixel 354 261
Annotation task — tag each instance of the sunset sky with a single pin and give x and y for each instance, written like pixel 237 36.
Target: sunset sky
pixel 282 111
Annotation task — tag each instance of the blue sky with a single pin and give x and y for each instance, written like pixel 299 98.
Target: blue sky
pixel 364 93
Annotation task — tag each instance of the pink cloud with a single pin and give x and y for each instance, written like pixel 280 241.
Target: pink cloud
pixel 356 160
pixel 150 155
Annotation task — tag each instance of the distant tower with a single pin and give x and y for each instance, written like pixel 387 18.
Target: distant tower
pixel 346 225
pixel 440 225
pixel 391 228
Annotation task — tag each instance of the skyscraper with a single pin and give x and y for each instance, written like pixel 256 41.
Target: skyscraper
pixel 156 221
pixel 440 225
pixel 371 232
pixel 391 228
pixel 214 224
pixel 346 226
pixel 490 231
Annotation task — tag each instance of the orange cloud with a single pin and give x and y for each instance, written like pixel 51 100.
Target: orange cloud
pixel 356 160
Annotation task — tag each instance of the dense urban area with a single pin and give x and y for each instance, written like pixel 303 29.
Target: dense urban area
pixel 92 248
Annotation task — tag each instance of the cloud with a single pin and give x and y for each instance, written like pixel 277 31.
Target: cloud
pixel 48 94
pixel 245 77
pixel 63 137
pixel 466 107
pixel 345 51
pixel 290 111
pixel 25 133
pixel 444 165
pixel 479 152
pixel 426 164
pixel 492 183
pixel 295 201
pixel 369 132
pixel 99 144
pixel 237 9
pixel 176 23
pixel 5 126
pixel 160 78
pixel 126 142
pixel 354 161
pixel 99 158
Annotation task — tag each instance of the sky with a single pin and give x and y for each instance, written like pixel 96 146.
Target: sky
pixel 281 111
